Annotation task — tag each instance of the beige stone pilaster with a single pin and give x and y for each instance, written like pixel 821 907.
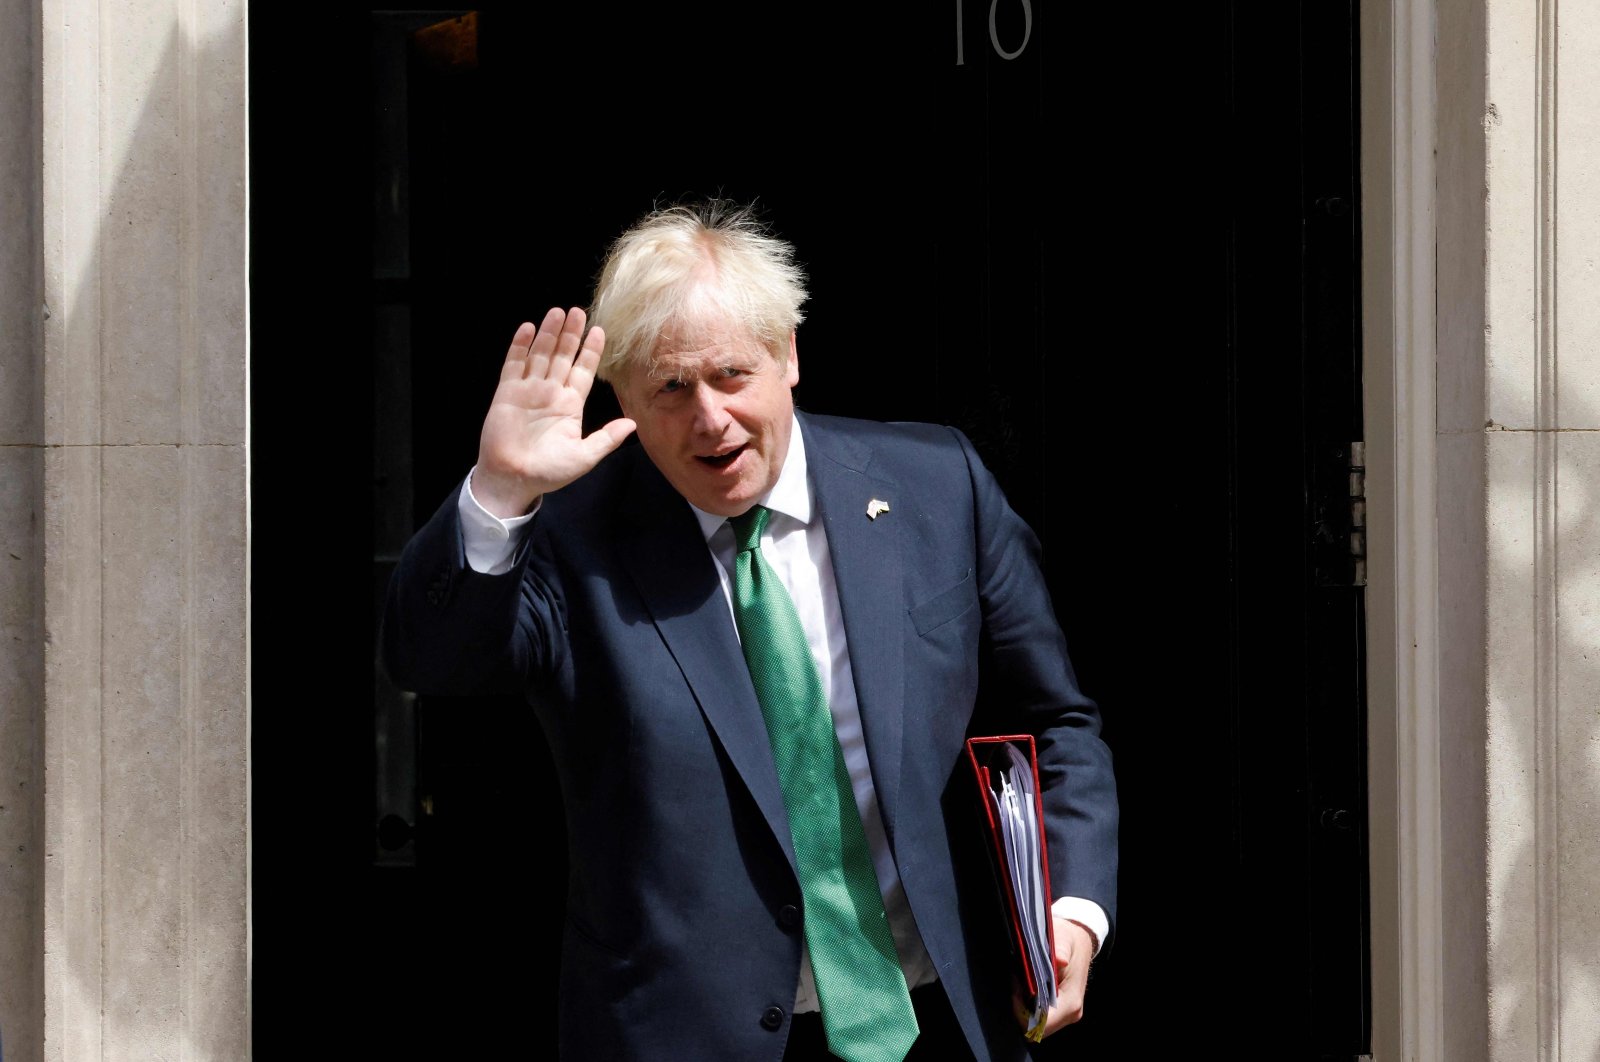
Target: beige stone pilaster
pixel 1481 171
pixel 124 593
pixel 1542 429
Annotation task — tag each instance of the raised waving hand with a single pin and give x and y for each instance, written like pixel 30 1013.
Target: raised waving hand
pixel 533 439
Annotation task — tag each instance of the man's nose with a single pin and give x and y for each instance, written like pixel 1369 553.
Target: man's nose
pixel 710 410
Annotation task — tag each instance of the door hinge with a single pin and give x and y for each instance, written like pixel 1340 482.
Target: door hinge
pixel 1358 514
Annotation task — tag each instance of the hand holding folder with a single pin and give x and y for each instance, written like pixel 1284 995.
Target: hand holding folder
pixel 1006 769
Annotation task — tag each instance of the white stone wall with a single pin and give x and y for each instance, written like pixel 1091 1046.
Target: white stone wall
pixel 124 507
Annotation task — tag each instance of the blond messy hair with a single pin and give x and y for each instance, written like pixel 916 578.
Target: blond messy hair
pixel 682 267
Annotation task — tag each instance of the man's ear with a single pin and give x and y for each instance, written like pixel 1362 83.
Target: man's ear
pixel 792 373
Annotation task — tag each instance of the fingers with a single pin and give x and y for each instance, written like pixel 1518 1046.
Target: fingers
pixel 567 345
pixel 1068 1009
pixel 544 344
pixel 1074 952
pixel 552 351
pixel 607 438
pixel 588 360
pixel 517 355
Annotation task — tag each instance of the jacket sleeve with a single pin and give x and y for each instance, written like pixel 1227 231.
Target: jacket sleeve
pixel 450 630
pixel 1027 684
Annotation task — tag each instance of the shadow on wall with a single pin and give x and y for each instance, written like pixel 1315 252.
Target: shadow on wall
pixel 1515 735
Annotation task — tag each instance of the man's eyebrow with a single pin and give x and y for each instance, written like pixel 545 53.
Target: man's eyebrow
pixel 660 370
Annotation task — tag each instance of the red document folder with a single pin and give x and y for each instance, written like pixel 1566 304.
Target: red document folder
pixel 990 763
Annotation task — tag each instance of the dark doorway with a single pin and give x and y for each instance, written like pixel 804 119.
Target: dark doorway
pixel 1119 250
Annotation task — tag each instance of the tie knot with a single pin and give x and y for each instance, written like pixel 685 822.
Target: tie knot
pixel 748 526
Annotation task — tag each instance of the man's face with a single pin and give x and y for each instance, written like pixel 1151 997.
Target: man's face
pixel 714 414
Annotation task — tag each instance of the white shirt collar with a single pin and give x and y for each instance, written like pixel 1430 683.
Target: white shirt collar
pixel 791 495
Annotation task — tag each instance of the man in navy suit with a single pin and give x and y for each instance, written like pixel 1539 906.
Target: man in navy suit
pixel 600 580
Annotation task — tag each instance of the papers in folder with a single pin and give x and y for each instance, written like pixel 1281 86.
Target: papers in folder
pixel 1008 782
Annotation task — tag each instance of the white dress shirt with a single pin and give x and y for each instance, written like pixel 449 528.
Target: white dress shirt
pixel 796 547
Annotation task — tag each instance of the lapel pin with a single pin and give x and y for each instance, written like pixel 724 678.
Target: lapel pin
pixel 876 508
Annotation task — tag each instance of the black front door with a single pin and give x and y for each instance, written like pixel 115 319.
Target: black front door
pixel 1117 248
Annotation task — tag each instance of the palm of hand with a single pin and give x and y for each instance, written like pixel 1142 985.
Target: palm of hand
pixel 532 440
pixel 535 429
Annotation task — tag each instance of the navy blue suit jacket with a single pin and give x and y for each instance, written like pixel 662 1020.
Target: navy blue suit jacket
pixel 615 628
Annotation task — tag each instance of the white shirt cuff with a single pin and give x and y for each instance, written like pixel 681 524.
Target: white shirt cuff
pixel 490 542
pixel 1086 913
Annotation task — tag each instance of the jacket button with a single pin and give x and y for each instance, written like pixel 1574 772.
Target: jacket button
pixel 789 916
pixel 772 1018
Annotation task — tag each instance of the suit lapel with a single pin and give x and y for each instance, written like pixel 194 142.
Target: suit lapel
pixel 663 550
pixel 866 557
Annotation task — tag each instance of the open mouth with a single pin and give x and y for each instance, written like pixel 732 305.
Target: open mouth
pixel 722 460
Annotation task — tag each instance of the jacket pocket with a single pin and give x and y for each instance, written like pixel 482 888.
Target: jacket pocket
pixel 945 606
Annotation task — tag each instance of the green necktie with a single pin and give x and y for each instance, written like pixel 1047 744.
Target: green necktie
pixel 866 1010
